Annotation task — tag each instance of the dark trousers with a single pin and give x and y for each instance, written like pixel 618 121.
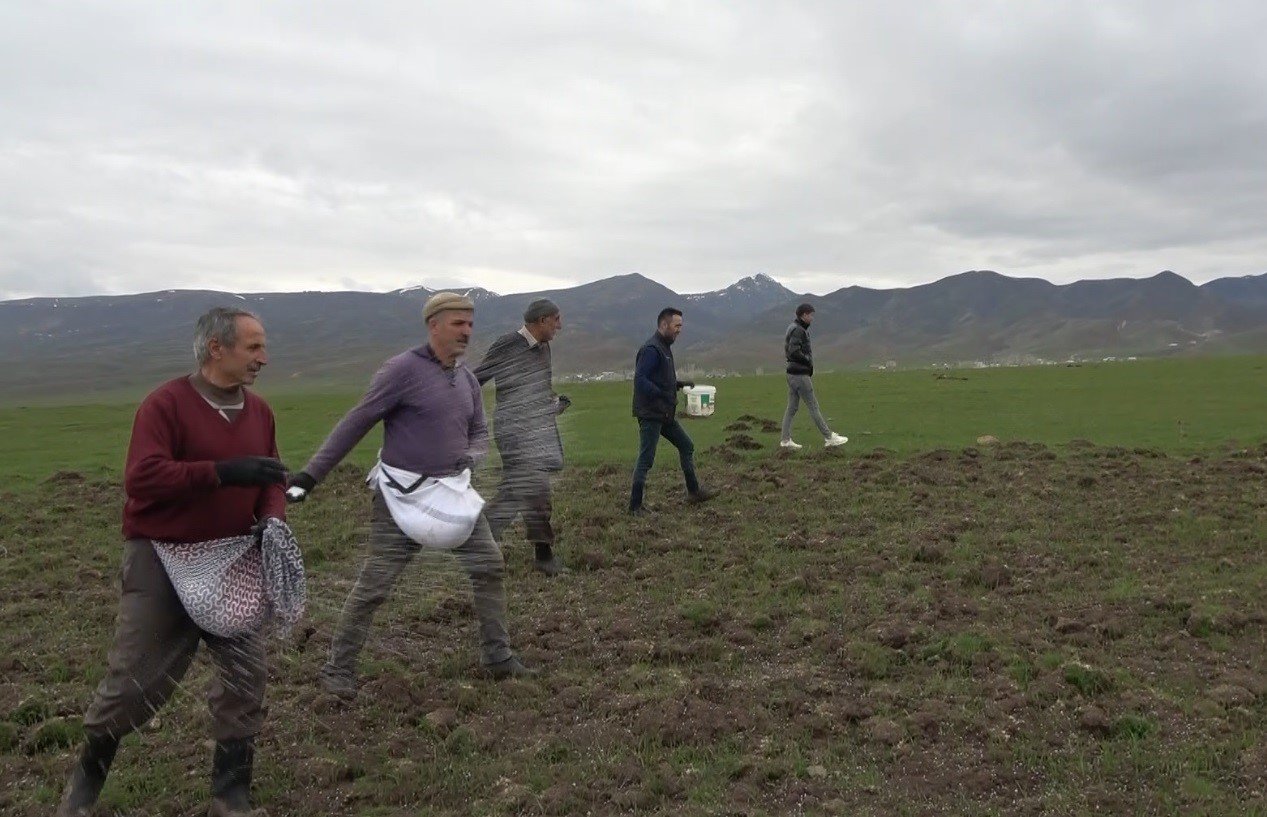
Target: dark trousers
pixel 649 434
pixel 391 551
pixel 523 490
pixel 154 643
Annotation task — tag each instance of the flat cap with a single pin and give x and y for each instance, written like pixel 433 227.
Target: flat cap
pixel 445 300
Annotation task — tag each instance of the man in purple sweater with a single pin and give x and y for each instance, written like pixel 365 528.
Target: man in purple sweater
pixel 433 425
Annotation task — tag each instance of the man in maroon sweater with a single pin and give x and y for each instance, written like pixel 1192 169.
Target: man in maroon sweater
pixel 202 464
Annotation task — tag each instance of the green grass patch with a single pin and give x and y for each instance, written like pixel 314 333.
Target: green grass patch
pixel 1177 406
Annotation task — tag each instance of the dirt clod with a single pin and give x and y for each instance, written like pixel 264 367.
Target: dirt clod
pixel 1065 625
pixel 743 442
pixel 894 635
pixel 1231 695
pixel 442 720
pixel 1093 719
pixel 884 731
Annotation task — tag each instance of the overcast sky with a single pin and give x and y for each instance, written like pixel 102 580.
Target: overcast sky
pixel 522 145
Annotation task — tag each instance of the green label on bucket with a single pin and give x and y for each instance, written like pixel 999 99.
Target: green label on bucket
pixel 703 400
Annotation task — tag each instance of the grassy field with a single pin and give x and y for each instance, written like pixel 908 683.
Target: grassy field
pixel 1178 406
pixel 916 624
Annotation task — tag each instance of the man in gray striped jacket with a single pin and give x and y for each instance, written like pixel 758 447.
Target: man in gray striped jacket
pixel 526 430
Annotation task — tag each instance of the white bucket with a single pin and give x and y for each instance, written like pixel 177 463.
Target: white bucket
pixel 700 400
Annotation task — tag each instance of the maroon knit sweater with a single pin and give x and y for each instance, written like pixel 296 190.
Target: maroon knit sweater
pixel 173 492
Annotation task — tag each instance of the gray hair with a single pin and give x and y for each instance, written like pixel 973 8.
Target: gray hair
pixel 540 308
pixel 220 323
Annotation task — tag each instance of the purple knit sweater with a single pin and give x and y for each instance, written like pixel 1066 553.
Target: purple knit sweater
pixel 432 417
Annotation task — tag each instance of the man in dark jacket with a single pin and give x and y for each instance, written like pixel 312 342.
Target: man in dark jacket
pixel 525 428
pixel 655 405
pixel 800 386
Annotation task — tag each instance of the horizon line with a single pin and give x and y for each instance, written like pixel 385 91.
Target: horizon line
pixel 753 276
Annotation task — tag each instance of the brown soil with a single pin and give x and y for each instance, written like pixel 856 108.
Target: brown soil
pixel 1014 630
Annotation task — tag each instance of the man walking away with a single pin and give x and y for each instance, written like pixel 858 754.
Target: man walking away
pixel 655 405
pixel 800 384
pixel 433 426
pixel 526 430
pixel 202 464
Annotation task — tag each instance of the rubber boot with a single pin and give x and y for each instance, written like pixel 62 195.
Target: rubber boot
pixel 88 776
pixel 231 768
pixel 635 496
pixel 545 561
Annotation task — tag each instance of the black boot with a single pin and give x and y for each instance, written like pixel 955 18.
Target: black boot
pixel 88 776
pixel 701 495
pixel 231 768
pixel 512 667
pixel 546 561
pixel 635 496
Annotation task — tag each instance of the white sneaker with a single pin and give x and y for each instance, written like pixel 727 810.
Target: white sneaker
pixel 835 440
pixel 791 446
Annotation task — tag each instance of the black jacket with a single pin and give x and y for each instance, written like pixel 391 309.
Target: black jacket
pixel 655 381
pixel 800 360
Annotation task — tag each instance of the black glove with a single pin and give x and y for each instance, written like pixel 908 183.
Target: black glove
pixel 304 482
pixel 464 462
pixel 250 471
pixel 564 402
pixel 257 530
pixel 686 384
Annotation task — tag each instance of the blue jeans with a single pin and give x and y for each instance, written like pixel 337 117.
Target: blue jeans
pixel 649 434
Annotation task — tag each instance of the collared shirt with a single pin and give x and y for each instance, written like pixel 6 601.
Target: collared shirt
pixel 523 330
pixel 228 402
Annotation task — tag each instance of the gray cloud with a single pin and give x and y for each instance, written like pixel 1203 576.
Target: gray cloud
pixel 292 146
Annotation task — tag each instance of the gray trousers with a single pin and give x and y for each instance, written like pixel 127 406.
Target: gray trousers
pixel 154 643
pixel 391 551
pixel 801 387
pixel 525 490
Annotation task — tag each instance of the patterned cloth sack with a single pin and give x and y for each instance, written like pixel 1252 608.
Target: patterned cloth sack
pixel 234 586
pixel 436 512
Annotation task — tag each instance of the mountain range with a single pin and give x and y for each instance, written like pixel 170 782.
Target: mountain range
pixel 100 343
